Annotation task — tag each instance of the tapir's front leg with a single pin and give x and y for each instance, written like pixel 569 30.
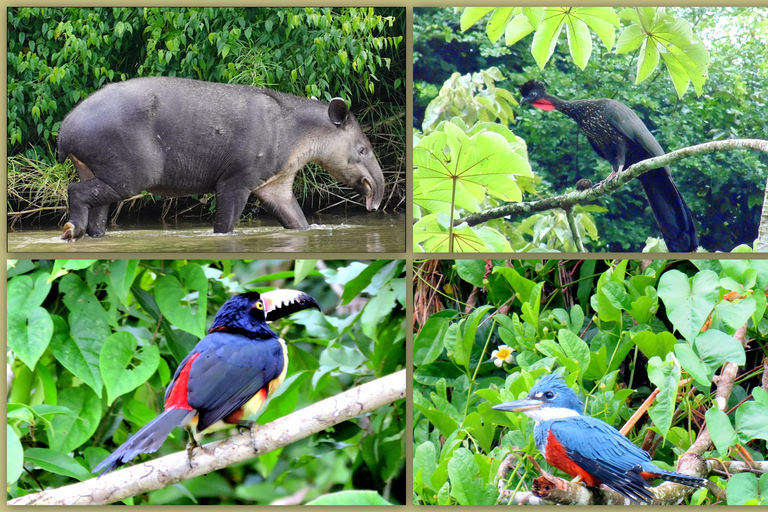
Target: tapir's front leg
pixel 231 198
pixel 277 198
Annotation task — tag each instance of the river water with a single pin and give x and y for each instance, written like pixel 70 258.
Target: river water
pixel 328 233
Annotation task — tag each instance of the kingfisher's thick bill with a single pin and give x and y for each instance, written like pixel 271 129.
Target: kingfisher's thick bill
pixel 588 447
pixel 227 377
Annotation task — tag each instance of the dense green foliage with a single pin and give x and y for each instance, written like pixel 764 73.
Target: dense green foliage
pixel 723 190
pixel 617 330
pixel 56 57
pixel 69 405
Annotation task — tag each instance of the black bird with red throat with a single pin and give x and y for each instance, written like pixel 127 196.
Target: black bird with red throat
pixel 618 135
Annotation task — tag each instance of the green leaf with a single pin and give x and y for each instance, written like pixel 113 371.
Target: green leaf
pixel 14 456
pixel 442 422
pixel 579 41
pixel 471 271
pixel 751 421
pixel 471 15
pixel 498 22
pixel 69 432
pixel 425 460
pixel 692 364
pixel 428 344
pixel 720 429
pixel 630 39
pixel 302 269
pixel 735 314
pixel 464 346
pixel 175 299
pixel 741 488
pixel 29 333
pixel 355 498
pixel 121 275
pixel 649 59
pixel 666 376
pixel 56 462
pixel 652 344
pixel 575 348
pixel 545 38
pixel 603 20
pixel 118 371
pixel 79 355
pixel 353 287
pixel 689 306
pixel 462 471
pixel 716 348
pixel 517 29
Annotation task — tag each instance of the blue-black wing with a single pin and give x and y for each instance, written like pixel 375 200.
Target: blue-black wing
pixel 605 453
pixel 229 371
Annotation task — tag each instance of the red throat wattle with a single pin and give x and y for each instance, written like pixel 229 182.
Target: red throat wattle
pixel 543 104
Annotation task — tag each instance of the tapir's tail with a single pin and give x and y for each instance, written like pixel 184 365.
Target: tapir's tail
pixel 653 471
pixel 146 440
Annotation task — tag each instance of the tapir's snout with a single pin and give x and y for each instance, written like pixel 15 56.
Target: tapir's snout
pixel 373 189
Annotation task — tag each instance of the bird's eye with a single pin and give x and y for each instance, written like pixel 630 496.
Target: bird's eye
pixel 549 395
pixel 259 305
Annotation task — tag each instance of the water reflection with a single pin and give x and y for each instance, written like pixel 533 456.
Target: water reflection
pixel 374 232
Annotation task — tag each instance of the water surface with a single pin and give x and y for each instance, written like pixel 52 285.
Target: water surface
pixel 330 233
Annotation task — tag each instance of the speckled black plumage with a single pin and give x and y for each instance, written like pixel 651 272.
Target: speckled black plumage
pixel 618 135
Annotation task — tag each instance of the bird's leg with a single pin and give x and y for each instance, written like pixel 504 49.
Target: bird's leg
pixel 252 426
pixel 576 480
pixel 191 445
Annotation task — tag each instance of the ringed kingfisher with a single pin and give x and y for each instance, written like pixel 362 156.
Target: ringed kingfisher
pixel 587 447
pixel 226 378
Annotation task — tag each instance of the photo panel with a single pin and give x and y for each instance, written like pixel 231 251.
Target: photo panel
pixel 534 127
pixel 302 361
pixel 643 379
pixel 162 129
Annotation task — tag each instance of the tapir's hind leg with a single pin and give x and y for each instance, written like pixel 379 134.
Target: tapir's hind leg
pixel 88 204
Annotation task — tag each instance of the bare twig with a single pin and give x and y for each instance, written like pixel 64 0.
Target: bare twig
pixel 175 468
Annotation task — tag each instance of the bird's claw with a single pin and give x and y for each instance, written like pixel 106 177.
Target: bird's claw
pixel 191 445
pixel 250 425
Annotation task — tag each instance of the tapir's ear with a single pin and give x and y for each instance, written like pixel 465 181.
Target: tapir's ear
pixel 338 111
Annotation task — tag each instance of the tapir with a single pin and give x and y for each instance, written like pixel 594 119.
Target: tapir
pixel 180 137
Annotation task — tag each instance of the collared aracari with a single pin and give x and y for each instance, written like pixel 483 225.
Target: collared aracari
pixel 227 377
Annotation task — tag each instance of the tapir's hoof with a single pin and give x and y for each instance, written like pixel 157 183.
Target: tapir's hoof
pixel 70 233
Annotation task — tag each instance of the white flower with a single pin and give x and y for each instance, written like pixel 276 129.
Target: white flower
pixel 502 355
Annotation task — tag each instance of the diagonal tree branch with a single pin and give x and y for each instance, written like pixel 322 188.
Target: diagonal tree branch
pixel 174 468
pixel 572 198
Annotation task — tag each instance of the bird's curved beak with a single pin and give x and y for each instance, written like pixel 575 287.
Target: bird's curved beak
pixel 281 303
pixel 522 405
pixel 526 100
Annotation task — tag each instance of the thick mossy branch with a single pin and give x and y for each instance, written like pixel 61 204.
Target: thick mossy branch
pixel 570 199
pixel 174 468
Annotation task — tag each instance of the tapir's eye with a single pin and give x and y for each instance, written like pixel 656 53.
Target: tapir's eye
pixel 362 151
pixel 549 395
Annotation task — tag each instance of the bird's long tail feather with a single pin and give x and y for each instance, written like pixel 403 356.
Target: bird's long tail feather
pixel 146 440
pixel 671 476
pixel 670 210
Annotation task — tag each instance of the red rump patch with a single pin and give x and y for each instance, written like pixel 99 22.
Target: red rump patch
pixel 543 104
pixel 649 476
pixel 177 399
pixel 557 457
